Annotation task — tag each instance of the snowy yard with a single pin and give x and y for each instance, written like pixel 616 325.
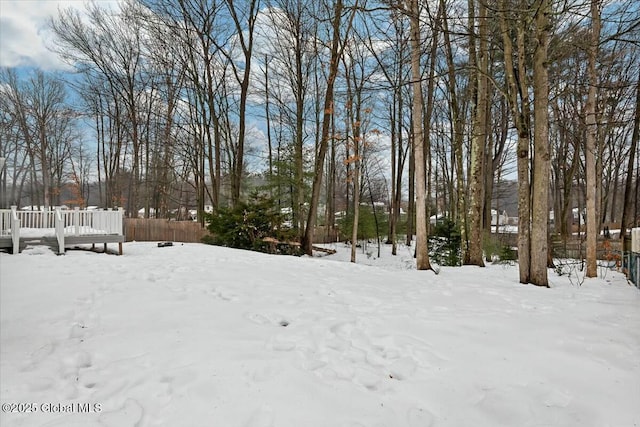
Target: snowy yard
pixel 196 335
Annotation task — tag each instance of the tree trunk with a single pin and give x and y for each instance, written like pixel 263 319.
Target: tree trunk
pixel 541 159
pixel 422 252
pixel 517 90
pixel 478 144
pixel 591 144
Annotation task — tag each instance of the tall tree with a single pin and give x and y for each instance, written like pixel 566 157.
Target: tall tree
pixel 244 19
pixel 517 90
pixel 591 141
pixel 290 55
pixel 108 45
pixel 418 141
pixel 336 51
pixel 479 138
pixel 457 118
pixel 42 121
pixel 541 156
pixel 628 189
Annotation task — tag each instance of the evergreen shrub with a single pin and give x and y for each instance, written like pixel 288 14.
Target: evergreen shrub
pixel 444 243
pixel 247 224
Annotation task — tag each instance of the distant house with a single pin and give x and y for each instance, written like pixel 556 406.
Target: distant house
pixel 499 219
pixel 574 219
pixel 433 219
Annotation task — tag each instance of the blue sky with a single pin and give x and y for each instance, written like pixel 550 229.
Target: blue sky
pixel 24 35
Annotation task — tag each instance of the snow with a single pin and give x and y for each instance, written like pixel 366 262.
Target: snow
pixel 196 335
pixel 83 230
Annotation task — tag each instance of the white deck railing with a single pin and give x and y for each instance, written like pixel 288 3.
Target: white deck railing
pixel 10 226
pixel 58 222
pixel 635 240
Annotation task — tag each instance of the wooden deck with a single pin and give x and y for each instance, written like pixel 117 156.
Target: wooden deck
pixel 60 229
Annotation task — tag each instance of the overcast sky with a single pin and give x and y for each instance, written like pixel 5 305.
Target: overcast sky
pixel 24 35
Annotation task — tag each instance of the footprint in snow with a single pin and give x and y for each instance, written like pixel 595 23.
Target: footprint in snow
pixel 267 319
pixel 557 399
pixel 367 378
pixel 419 417
pixel 403 368
pixel 262 417
pixel 38 356
pixel 224 294
pixel 282 343
pixel 78 331
pixel 129 415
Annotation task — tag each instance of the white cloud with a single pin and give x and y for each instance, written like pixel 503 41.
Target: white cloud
pixel 24 35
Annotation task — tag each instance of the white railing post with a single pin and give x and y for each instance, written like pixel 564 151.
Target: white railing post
pixel 120 222
pixel 76 221
pixel 15 229
pixel 635 240
pixel 99 220
pixel 59 219
pixel 106 220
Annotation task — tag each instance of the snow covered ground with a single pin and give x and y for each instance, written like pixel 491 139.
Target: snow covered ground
pixel 196 335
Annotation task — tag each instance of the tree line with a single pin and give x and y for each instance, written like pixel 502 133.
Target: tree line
pixel 424 105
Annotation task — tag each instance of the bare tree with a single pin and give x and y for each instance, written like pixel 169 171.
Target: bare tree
pixel 336 52
pixel 628 190
pixel 44 124
pixel 291 57
pixel 541 156
pixel 517 95
pixel 591 144
pixel 479 137
pixel 418 141
pixel 243 19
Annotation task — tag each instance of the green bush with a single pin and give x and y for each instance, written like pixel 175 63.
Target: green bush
pixel 246 225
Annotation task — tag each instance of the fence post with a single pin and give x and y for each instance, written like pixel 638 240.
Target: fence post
pixel 15 229
pixel 120 222
pixel 59 220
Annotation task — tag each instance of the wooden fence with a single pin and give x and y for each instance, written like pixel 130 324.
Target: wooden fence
pixel 574 246
pixel 148 230
pixel 157 230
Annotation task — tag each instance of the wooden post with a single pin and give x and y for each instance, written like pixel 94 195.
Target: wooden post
pixel 120 248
